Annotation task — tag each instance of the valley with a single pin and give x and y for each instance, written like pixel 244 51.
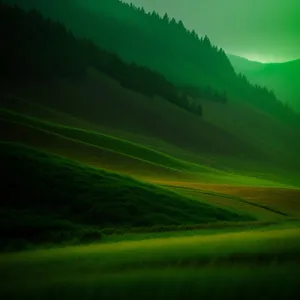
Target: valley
pixel 127 177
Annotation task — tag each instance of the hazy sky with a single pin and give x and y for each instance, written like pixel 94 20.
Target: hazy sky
pixel 263 30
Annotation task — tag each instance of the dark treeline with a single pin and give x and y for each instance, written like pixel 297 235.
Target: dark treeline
pixel 36 48
pixel 160 43
pixel 206 93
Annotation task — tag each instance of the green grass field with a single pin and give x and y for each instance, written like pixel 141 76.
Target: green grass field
pixel 253 263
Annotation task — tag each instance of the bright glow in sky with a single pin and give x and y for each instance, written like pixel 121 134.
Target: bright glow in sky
pixel 261 30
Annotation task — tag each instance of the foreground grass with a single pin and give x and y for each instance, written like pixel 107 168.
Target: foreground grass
pixel 198 230
pixel 249 247
pixel 256 263
pixel 236 282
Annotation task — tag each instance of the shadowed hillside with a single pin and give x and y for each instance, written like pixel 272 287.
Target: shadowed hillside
pixel 40 49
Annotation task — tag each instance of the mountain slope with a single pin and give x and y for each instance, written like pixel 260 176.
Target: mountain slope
pixel 162 44
pixel 94 91
pixel 133 34
pixel 282 78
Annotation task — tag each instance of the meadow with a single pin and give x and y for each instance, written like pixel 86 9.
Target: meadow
pixel 166 241
pixel 262 262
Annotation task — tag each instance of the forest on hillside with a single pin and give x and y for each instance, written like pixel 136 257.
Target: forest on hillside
pixel 37 48
pixel 164 45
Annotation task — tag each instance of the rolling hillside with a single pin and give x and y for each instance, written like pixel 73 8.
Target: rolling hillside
pixel 45 194
pixel 215 140
pixel 137 164
pixel 118 154
pixel 86 110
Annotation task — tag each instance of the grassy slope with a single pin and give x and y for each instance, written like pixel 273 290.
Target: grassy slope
pixel 228 199
pixel 105 147
pixel 257 145
pixel 43 191
pixel 265 203
pixel 95 155
pixel 106 151
pixel 33 109
pixel 104 141
pixel 125 110
pixel 86 153
pixel 95 151
pixel 284 201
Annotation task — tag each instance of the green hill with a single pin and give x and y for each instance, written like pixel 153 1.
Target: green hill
pixel 94 148
pixel 116 151
pixel 45 194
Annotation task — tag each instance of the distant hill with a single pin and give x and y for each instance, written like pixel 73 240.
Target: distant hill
pixel 282 78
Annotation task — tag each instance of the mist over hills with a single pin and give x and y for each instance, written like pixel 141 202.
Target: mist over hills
pixel 282 78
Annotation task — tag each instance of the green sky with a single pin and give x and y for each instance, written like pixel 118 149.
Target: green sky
pixel 262 30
